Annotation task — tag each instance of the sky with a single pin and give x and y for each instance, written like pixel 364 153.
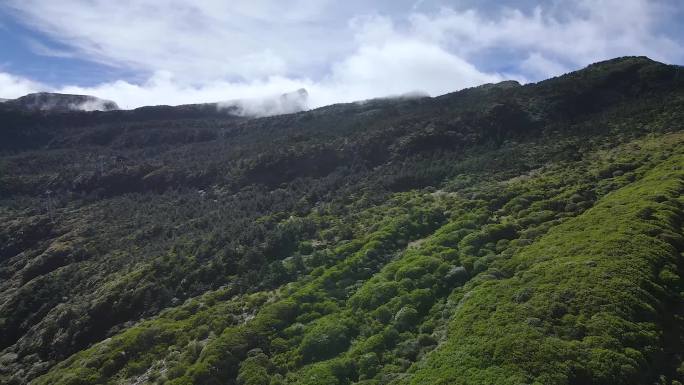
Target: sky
pixel 150 52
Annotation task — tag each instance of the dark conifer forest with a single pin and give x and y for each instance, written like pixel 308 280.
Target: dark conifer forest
pixel 504 234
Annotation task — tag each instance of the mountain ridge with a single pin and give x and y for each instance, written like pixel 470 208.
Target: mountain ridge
pixel 57 102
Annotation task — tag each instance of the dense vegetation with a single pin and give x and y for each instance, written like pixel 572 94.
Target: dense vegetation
pixel 503 234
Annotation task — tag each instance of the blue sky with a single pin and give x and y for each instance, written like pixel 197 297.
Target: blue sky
pixel 172 52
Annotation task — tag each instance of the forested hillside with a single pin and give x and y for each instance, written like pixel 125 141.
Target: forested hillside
pixel 502 234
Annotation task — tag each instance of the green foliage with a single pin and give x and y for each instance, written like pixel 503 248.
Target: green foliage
pixel 590 287
pixel 326 338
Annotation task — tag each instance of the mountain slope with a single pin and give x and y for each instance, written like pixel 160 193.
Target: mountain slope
pixel 596 300
pixel 499 234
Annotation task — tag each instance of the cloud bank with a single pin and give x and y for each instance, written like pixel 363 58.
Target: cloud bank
pixel 210 51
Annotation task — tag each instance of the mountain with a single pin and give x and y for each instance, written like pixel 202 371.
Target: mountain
pixel 502 234
pixel 54 102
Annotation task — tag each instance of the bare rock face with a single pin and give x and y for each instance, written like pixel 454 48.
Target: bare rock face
pixel 54 102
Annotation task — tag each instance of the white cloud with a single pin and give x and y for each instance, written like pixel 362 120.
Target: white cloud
pixel 537 63
pixel 41 49
pixel 163 88
pixel 14 86
pixel 396 63
pixel 209 50
pixel 589 31
pixel 387 62
pixel 276 105
pixel 197 41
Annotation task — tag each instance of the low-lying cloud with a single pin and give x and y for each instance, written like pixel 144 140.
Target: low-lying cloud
pixel 95 105
pixel 12 87
pixel 276 105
